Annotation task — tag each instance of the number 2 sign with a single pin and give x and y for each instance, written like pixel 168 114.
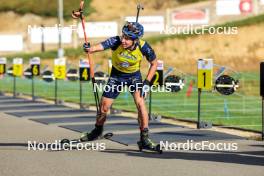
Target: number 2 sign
pixel 158 77
pixel 205 74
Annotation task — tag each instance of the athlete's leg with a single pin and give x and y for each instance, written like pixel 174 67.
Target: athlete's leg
pixel 142 111
pixel 143 119
pixel 106 102
pixel 105 106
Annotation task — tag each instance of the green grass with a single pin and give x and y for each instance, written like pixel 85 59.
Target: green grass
pixel 43 7
pixel 244 111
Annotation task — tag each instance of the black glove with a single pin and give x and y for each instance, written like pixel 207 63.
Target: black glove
pixel 86 47
pixel 145 88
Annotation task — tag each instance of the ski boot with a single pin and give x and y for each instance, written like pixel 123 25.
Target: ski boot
pixel 95 134
pixel 146 143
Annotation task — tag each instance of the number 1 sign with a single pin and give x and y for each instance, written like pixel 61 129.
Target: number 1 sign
pixel 205 74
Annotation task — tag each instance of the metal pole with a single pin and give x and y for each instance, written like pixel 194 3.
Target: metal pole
pixel 14 87
pixel 60 26
pixel 42 39
pixel 56 87
pixel 32 88
pixel 262 95
pixel 262 135
pixel 80 95
pixel 199 107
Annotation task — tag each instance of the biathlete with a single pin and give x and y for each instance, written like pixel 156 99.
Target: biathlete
pixel 128 51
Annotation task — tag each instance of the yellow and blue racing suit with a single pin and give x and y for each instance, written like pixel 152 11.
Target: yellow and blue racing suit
pixel 126 65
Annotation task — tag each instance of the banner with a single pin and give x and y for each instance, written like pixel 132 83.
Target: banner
pixel 50 34
pixel 98 29
pixel 11 42
pixel 150 23
pixel 190 17
pixel 233 7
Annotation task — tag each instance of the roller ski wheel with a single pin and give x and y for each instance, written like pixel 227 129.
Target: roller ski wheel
pixel 156 148
pixel 65 141
pixel 75 141
pixel 68 141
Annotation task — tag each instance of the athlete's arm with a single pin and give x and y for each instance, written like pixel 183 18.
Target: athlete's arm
pixel 96 48
pixel 151 57
pixel 93 49
pixel 152 69
pixel 112 43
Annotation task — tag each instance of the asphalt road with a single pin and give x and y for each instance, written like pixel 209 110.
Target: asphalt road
pixel 116 159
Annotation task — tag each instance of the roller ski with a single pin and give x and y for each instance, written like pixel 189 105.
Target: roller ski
pixel 95 134
pixel 80 140
pixel 146 144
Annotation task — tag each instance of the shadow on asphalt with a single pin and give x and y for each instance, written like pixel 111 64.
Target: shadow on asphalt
pixel 47 147
pixel 13 144
pixel 225 157
pixel 262 146
pixel 255 158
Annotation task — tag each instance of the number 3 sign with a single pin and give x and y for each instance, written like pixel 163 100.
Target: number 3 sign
pixel 205 74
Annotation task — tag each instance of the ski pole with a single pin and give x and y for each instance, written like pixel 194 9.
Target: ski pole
pixel 79 14
pixel 139 7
